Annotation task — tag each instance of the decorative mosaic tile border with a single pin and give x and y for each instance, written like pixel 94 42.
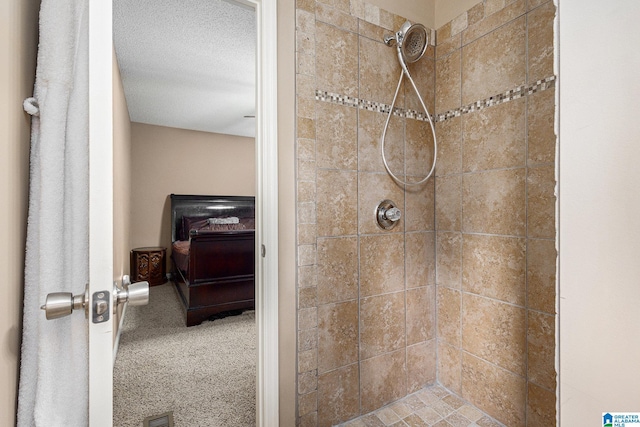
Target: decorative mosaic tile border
pixel 380 107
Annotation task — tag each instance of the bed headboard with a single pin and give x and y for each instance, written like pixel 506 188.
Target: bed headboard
pixel 207 207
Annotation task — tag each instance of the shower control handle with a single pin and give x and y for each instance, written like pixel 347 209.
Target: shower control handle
pixel 393 214
pixel 387 214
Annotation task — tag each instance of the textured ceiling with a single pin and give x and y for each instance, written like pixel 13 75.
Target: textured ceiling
pixel 188 64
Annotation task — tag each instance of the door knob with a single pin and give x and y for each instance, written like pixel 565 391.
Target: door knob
pixel 132 293
pixel 60 304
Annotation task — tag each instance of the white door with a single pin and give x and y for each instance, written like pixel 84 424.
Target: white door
pixel 101 213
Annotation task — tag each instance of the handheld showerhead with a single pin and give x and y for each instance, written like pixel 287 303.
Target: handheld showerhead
pixel 412 41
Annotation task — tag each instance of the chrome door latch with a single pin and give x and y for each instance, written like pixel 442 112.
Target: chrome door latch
pixel 100 307
pixel 61 304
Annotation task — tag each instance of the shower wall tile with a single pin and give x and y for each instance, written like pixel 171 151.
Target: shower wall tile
pixel 540 41
pixel 494 21
pixel 421 365
pixel 447 46
pixel 337 214
pixel 341 5
pixel 494 390
pixel 541 406
pixel 540 349
pixel 449 303
pixel 495 267
pixel 307 233
pixel 475 14
pixel 449 134
pixel 444 32
pixel 309 420
pixel 449 203
pixel 333 16
pixel 459 23
pixel 424 76
pixel 336 136
pixel 450 367
pixel 308 318
pixel 370 126
pixel 305 22
pixel 306 191
pixel 449 78
pixel 495 332
pixel 420 314
pixel 449 259
pixel 308 403
pixel 419 207
pixel 541 219
pixel 307 361
pixel 541 275
pixel 383 380
pixel 306 128
pixel 371 31
pixel 494 62
pixel 418 149
pixel 307 297
pixel 305 87
pixel 494 137
pixel 337 335
pixel 493 6
pixel 372 189
pixel 532 4
pixel 338 396
pixel 494 202
pixel 337 72
pixel 337 269
pixel 420 259
pixel 381 264
pixel 382 324
pixel 378 72
pixel 541 137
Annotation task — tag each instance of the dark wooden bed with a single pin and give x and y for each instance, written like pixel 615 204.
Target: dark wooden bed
pixel 213 254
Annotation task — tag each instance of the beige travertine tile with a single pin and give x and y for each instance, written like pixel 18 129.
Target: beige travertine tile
pixel 495 62
pixel 307 318
pixel 424 76
pixel 459 23
pixel 541 215
pixel 541 350
pixel 373 32
pixel 449 203
pixel 307 276
pixel 341 5
pixel 370 127
pixel 449 78
pixel 306 87
pixel 307 382
pixel 306 43
pixel 309 420
pixel 306 148
pixel 420 259
pixel 421 365
pixel 494 137
pixel 541 136
pixel 495 267
pixel 306 5
pixel 306 169
pixel 357 8
pixel 337 269
pixel 372 189
pixel 446 48
pixel 495 331
pixel 387 20
pixel 532 4
pixel 383 380
pixel 307 297
pixel 336 136
pixel 305 22
pixel 307 214
pixel 421 310
pixel 449 259
pixel 337 214
pixel 387 416
pixel 449 135
pixel 449 303
pixel 306 255
pixel 305 64
pixel 372 13
pixel 541 407
pixel 307 360
pixel 418 149
pixel 306 128
pixel 337 61
pixel 306 191
pixel 336 17
pixel 498 392
pixel 494 202
pixel 470 412
pixel 337 335
pixel 338 396
pixel 307 403
pixel 381 264
pixel 444 32
pixel 382 324
pixel 487 422
pixel 450 367
pixel 413 420
pixel 307 233
pixel 457 420
pixel 379 72
pixel 493 6
pixel 541 275
pixel 475 14
pixel 540 42
pixel 307 339
pixel 490 23
pixel 419 212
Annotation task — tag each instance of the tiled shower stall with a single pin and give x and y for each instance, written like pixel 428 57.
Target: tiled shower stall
pixel 462 291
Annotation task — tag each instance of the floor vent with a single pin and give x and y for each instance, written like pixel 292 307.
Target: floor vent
pixel 162 420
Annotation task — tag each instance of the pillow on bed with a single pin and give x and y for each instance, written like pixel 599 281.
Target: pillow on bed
pixel 192 223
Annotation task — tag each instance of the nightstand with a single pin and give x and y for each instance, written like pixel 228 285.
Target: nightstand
pixel 148 264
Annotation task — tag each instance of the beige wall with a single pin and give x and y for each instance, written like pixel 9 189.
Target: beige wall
pixel 168 160
pixel 422 11
pixel 18 44
pixel 495 215
pixel 599 207
pixel 446 10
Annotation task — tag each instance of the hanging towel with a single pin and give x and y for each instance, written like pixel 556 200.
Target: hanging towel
pixel 54 372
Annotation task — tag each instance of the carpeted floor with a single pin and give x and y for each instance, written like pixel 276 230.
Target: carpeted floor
pixel 205 374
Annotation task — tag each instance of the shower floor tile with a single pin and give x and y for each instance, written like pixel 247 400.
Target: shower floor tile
pixel 432 406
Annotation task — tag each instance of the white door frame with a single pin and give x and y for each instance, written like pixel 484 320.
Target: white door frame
pixel 101 210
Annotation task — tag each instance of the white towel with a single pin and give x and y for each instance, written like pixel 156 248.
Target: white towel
pixel 227 220
pixel 54 371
